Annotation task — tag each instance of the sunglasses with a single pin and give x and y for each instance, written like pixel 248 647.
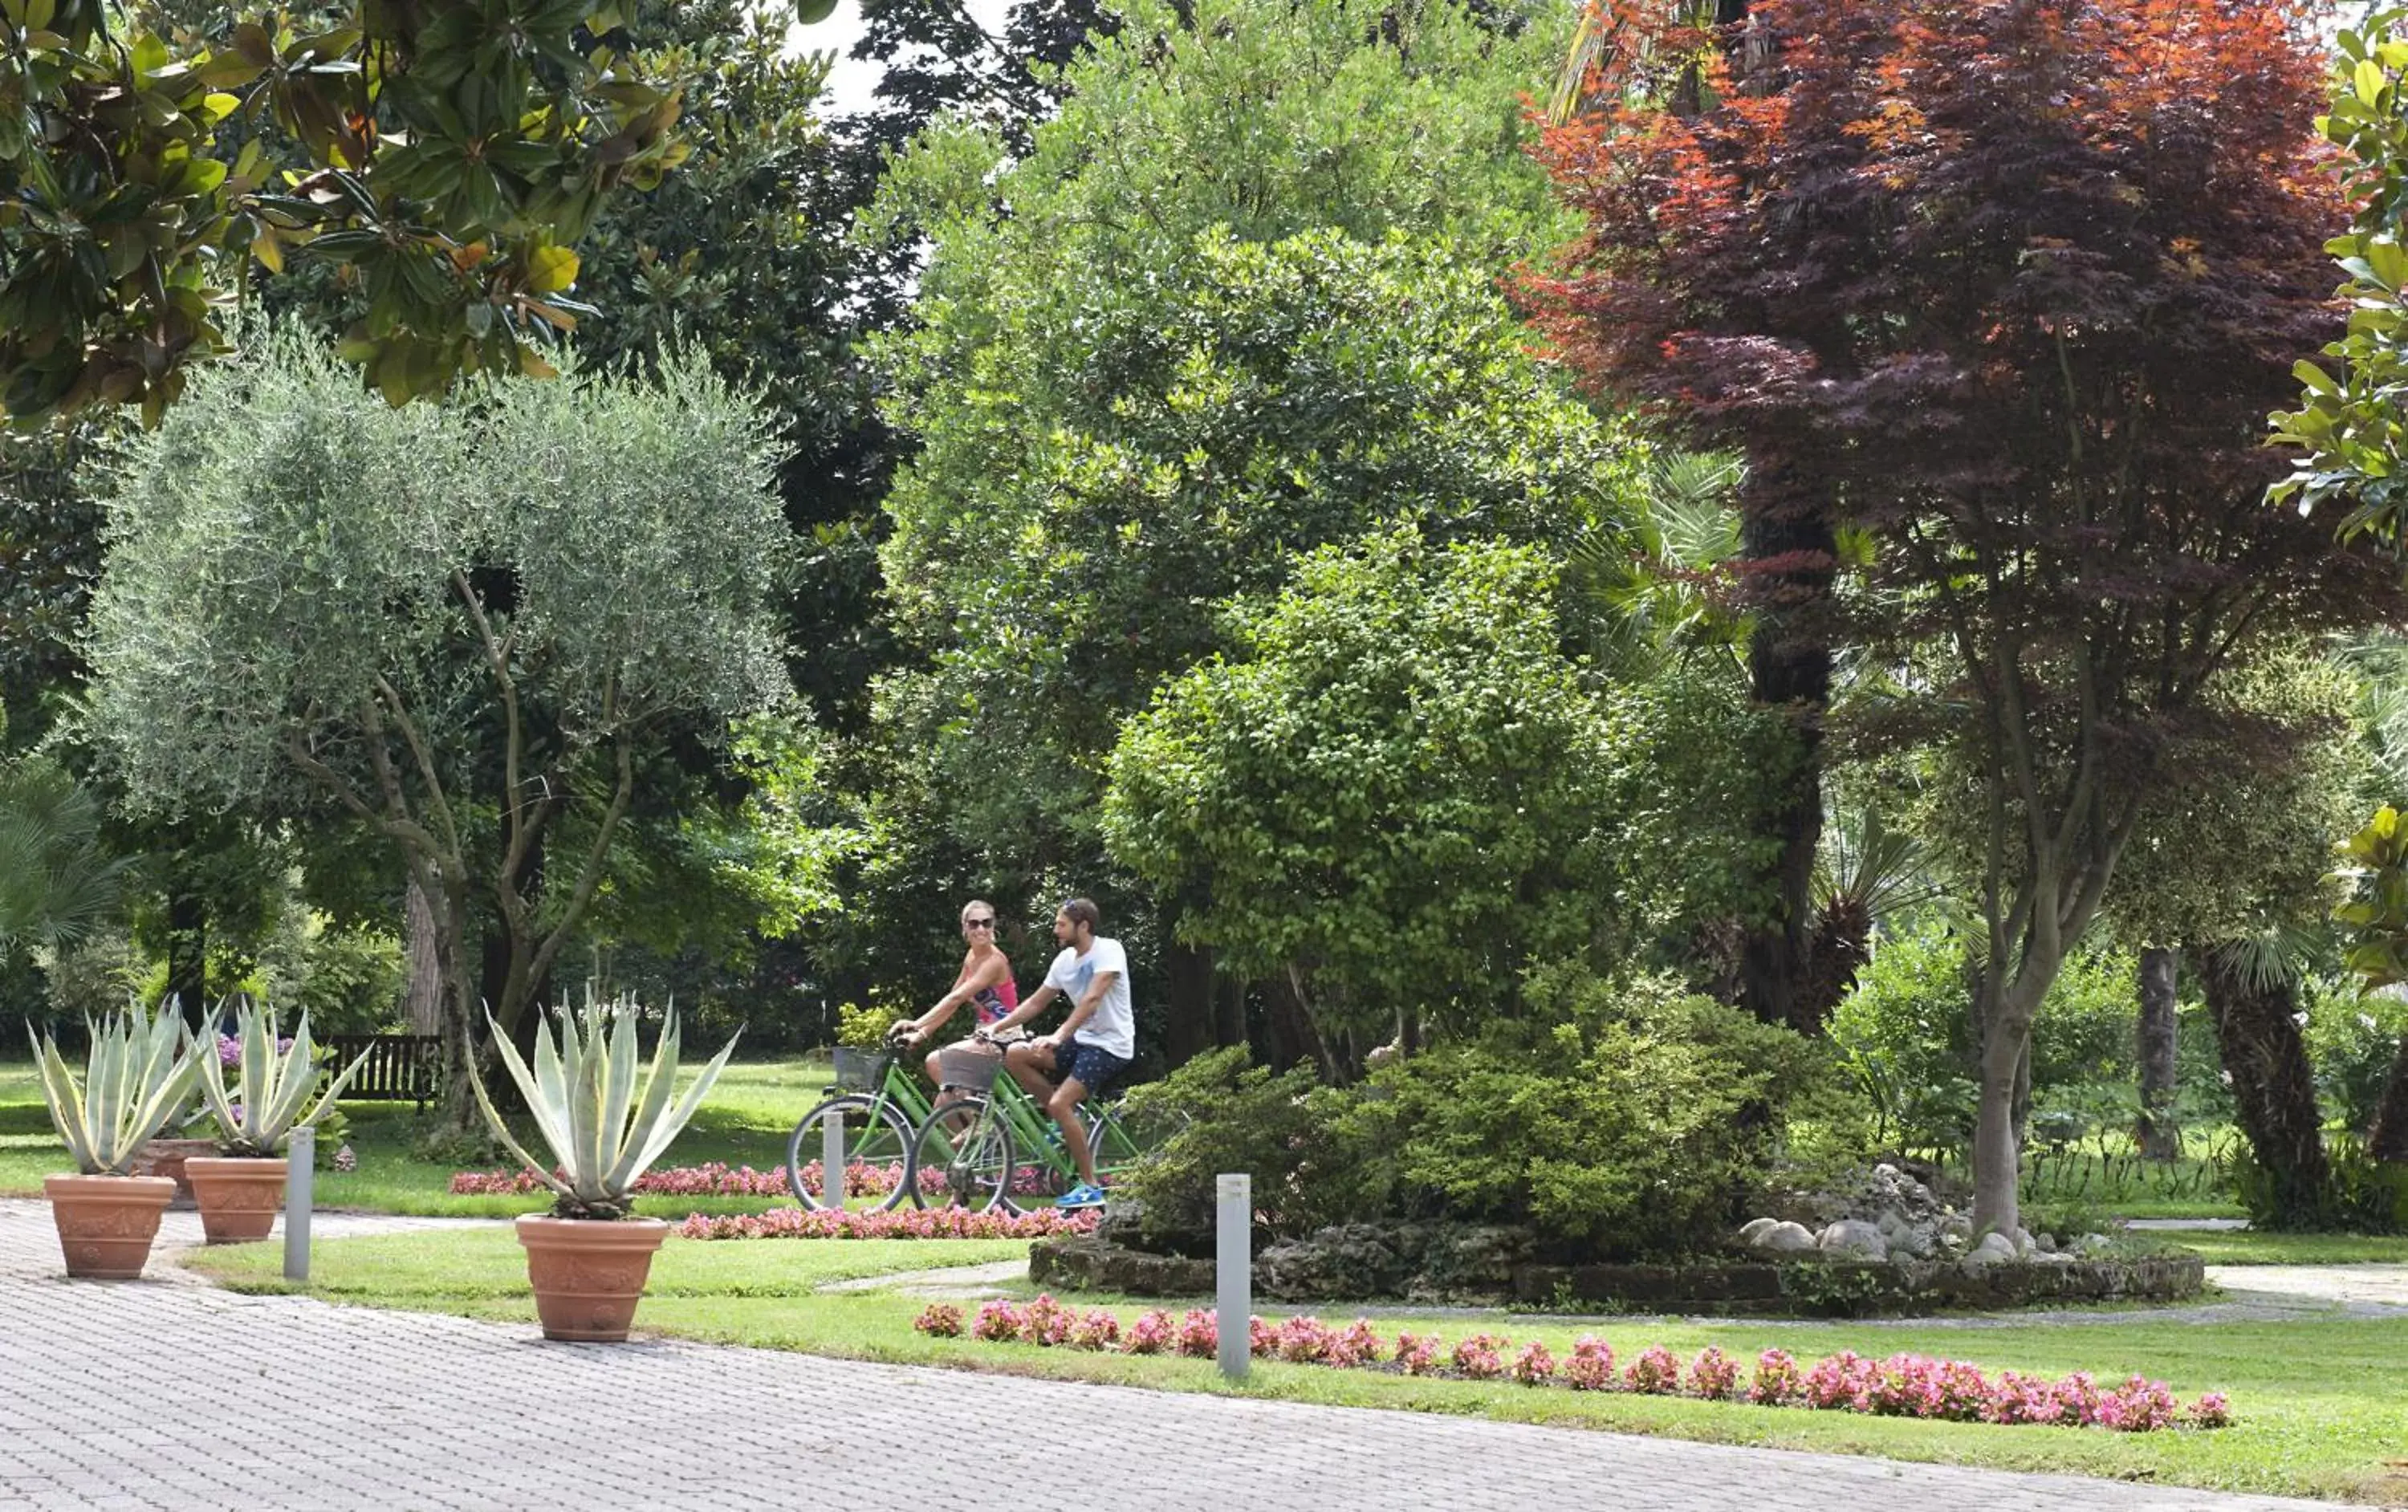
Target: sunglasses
pixel 977 923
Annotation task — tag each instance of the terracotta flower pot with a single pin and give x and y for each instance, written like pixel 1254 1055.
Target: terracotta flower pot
pixel 589 1274
pixel 167 1157
pixel 107 1222
pixel 238 1196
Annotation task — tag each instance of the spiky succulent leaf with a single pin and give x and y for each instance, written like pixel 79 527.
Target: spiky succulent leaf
pixel 64 1102
pixel 501 1130
pixel 275 1084
pixel 136 1076
pixel 657 1138
pixel 659 1082
pixel 605 1120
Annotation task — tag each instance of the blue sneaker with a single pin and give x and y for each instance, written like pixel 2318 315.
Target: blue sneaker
pixel 1082 1195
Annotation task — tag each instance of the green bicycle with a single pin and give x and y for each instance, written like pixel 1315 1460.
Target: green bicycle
pixel 880 1104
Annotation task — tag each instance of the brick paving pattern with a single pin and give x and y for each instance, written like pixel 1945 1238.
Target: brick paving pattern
pixel 168 1394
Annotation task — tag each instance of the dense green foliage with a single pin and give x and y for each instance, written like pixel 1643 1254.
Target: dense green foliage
pixel 1399 789
pixel 1622 1119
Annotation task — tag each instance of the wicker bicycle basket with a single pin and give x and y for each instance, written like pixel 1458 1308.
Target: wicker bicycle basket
pixel 967 1069
pixel 859 1070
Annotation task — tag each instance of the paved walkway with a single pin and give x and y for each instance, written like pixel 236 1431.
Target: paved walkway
pixel 168 1394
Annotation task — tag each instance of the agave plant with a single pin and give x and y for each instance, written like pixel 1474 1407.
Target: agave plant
pixel 137 1074
pixel 603 1127
pixel 275 1080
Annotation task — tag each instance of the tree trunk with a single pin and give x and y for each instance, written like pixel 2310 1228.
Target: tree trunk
pixel 1842 945
pixel 1789 670
pixel 2158 1137
pixel 2386 1139
pixel 462 1007
pixel 188 946
pixel 1294 1039
pixel 1187 998
pixel 2003 1008
pixel 1997 1156
pixel 422 1001
pixel 1230 1015
pixel 2274 1089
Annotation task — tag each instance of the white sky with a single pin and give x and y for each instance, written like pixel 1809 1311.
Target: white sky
pixel 850 82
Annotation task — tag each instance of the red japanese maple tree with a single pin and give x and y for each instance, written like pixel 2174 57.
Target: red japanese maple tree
pixel 2011 284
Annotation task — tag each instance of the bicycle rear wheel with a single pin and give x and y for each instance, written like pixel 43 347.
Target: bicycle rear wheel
pixel 962 1157
pixel 877 1155
pixel 1123 1139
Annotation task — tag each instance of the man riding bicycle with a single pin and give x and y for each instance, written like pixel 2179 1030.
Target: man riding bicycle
pixel 1095 1043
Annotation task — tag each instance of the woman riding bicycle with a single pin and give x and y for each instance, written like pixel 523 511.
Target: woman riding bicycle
pixel 984 982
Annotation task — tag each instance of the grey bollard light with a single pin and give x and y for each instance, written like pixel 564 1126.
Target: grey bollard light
pixel 300 1179
pixel 1233 1271
pixel 832 1173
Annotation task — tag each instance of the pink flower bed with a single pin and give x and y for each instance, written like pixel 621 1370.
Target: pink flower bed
pixel 900 1223
pixel 861 1179
pixel 1901 1385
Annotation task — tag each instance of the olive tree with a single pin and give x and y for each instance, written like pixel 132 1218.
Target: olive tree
pixel 471 628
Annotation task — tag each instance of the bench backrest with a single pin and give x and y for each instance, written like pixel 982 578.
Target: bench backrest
pixel 400 1068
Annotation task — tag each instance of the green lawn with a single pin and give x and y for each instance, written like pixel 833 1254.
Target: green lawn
pixel 2313 1416
pixel 2224 1246
pixel 745 1122
pixel 482 1271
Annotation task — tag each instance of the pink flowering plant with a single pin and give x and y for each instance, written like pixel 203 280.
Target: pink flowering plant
pixel 1534 1365
pixel 1304 1341
pixel 1097 1328
pixel 1657 1372
pixel 1777 1380
pixel 1714 1375
pixel 1590 1368
pixel 1480 1357
pixel 1417 1353
pixel 1356 1344
pixel 940 1321
pixel 1262 1338
pixel 997 1322
pixel 1200 1333
pixel 1152 1333
pixel 1046 1321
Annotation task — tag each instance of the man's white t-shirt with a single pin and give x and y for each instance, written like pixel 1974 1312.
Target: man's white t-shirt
pixel 1113 1024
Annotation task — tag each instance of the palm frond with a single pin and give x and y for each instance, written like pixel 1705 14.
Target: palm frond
pixel 58 883
pixel 2272 957
pixel 1872 868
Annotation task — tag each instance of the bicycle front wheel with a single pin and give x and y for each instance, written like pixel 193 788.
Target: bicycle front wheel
pixel 877 1155
pixel 962 1157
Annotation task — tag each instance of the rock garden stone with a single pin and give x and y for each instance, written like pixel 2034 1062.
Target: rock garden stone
pixel 1854 1239
pixel 1754 1229
pixel 1993 1249
pixel 1786 1239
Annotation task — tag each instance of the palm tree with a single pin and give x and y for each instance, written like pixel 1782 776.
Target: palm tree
pixel 1649 582
pixel 57 882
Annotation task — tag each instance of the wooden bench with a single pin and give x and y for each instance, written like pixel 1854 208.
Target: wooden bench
pixel 399 1068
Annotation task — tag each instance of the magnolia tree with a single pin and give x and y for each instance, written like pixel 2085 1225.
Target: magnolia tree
pixel 470 628
pixel 444 157
pixel 2010 288
pixel 2351 431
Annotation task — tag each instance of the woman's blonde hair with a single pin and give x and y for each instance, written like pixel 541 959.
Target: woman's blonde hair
pixel 977 902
